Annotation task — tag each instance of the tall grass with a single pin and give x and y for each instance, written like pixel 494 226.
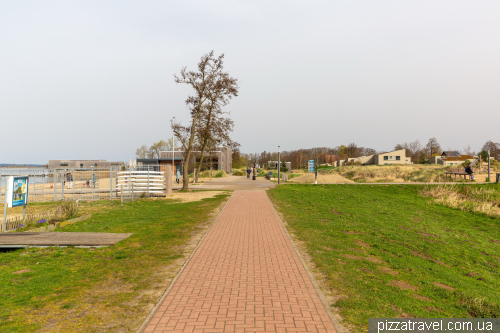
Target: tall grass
pixel 477 199
pixel 394 173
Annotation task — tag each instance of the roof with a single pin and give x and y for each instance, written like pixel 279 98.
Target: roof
pixel 451 153
pixel 158 159
pixel 458 158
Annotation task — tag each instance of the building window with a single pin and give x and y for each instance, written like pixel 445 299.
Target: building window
pixel 386 158
pixel 398 158
pixel 81 165
pixel 64 164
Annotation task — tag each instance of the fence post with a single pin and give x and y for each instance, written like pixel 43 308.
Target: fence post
pixel 130 182
pixel 132 192
pixel 148 182
pixel 55 182
pixel 92 184
pixel 121 193
pixel 116 179
pixel 168 180
pixel 62 186
pixel 110 182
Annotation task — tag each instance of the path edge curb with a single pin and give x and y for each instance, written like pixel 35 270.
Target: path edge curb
pixel 153 311
pixel 338 327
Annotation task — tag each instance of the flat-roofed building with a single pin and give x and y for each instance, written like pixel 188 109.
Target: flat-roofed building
pixel 83 164
pixel 221 158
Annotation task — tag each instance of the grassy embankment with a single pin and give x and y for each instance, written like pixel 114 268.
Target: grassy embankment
pixel 392 251
pixel 405 173
pixel 109 289
pixel 394 173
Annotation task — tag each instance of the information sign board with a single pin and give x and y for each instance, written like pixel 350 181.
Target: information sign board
pixel 16 193
pixel 311 165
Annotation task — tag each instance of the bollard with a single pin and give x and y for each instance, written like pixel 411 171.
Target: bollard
pixel 168 180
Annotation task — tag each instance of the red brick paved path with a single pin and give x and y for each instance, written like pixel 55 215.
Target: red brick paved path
pixel 244 277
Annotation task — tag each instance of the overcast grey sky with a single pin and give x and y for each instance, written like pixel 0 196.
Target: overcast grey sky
pixel 94 79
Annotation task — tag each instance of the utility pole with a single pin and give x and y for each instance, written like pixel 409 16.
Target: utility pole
pixel 279 163
pixel 489 175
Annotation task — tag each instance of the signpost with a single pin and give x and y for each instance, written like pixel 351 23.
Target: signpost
pixel 315 170
pixel 311 165
pixel 310 168
pixel 16 194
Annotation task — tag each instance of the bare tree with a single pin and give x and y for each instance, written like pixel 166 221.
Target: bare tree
pixel 468 151
pixel 494 149
pixel 352 150
pixel 433 147
pixel 142 152
pixel 206 82
pixel 214 128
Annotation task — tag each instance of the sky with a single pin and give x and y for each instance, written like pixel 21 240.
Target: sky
pixel 95 79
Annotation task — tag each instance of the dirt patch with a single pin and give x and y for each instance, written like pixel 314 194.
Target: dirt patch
pixel 387 270
pixel 440 285
pixel 471 274
pixel 374 260
pixel 350 256
pixel 362 244
pixel 402 285
pixel 22 271
pixel 429 258
pixel 354 233
pixel 336 212
pixel 422 298
pixel 402 227
pixel 328 248
pixel 194 196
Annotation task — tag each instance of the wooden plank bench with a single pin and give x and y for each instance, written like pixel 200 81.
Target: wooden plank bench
pixel 459 174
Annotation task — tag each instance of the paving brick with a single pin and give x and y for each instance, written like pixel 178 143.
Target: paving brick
pixel 244 277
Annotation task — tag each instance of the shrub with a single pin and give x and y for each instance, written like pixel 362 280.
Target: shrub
pixel 238 173
pixel 220 173
pixel 68 208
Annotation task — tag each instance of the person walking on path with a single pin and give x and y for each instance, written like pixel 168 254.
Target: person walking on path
pixel 70 180
pixel 178 176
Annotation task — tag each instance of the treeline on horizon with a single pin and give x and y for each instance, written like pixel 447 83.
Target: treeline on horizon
pixel 418 152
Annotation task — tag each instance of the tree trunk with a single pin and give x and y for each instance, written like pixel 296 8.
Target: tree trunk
pixel 198 168
pixel 185 175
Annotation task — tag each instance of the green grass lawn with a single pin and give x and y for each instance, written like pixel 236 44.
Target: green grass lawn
pixel 389 251
pixel 108 289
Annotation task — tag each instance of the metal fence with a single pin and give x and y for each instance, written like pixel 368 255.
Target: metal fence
pixel 88 183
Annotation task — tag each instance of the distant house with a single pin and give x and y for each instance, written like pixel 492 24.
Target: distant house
pixel 448 160
pixel 393 157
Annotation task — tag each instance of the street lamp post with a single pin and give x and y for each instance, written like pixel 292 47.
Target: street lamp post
pixel 279 163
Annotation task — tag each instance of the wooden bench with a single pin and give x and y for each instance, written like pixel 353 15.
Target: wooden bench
pixel 459 174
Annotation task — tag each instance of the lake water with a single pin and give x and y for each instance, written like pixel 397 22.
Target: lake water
pixel 41 174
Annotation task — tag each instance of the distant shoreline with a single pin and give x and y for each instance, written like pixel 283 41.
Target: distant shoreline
pixel 3 165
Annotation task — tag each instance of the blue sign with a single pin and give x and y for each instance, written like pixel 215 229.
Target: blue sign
pixel 17 191
pixel 311 165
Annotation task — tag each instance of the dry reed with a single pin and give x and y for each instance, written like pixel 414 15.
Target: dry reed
pixel 471 199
